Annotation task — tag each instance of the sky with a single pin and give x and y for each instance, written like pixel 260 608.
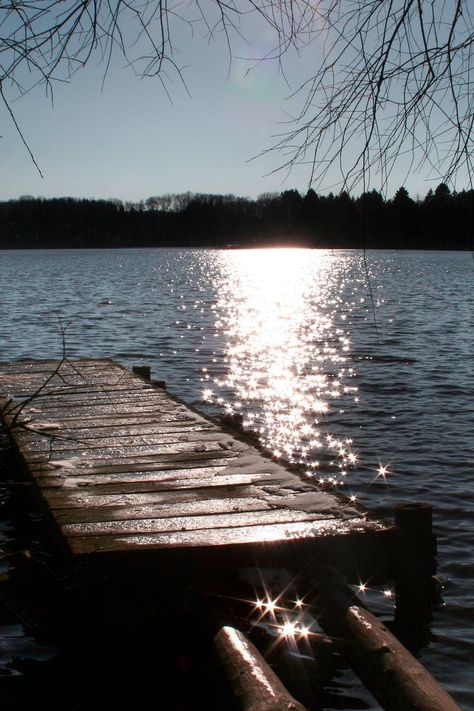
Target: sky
pixel 127 140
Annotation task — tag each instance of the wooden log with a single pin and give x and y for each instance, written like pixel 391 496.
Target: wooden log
pixel 253 681
pixel 396 679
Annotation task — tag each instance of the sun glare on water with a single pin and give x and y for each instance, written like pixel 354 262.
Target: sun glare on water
pixel 286 353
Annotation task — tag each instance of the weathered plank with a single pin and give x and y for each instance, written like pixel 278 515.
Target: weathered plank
pixel 143 407
pixel 187 523
pixel 107 432
pixel 177 451
pixel 58 399
pixel 130 512
pixel 96 479
pixel 69 486
pixel 129 466
pixel 84 499
pixel 38 442
pixel 229 536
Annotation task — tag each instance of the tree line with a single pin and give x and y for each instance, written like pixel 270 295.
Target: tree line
pixel 441 220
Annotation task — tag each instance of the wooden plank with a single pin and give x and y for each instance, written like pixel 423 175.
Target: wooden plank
pixel 53 388
pixel 121 400
pixel 40 440
pixel 130 512
pixel 129 466
pixel 187 523
pixel 271 533
pixel 111 419
pixel 167 452
pixel 135 471
pixel 109 431
pixel 117 479
pixel 55 406
pixel 145 408
pixel 122 387
pixel 153 481
pixel 81 387
pixel 100 407
pixel 69 488
pixel 118 378
pixel 84 500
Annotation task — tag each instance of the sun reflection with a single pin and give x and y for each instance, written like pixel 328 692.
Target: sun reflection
pixel 283 618
pixel 382 471
pixel 270 606
pixel 286 352
pixel 288 629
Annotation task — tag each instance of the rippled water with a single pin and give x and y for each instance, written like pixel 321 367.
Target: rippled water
pixel 361 371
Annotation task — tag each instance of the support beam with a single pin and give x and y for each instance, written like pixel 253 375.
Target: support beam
pixel 415 586
pixel 144 371
pixel 253 681
pixel 396 679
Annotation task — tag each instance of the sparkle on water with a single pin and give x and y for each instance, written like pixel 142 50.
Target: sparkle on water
pixel 284 619
pixel 285 615
pixel 286 348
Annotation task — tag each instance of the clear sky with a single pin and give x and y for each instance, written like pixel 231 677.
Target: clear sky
pixel 128 141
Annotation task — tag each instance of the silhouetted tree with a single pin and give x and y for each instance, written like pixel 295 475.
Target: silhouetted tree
pixel 404 219
pixel 371 211
pixel 291 203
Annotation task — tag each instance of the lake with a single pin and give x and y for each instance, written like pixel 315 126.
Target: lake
pixel 358 367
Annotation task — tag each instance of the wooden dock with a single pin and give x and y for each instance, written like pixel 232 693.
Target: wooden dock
pixel 122 466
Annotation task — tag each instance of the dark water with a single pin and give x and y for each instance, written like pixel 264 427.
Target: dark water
pixel 363 372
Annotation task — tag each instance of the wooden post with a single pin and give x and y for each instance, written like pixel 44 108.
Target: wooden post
pixel 159 384
pixel 396 679
pixel 143 371
pixel 414 572
pixel 253 681
pixel 235 421
pixel 416 553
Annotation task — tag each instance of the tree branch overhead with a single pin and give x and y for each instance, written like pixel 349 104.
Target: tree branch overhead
pixel 394 80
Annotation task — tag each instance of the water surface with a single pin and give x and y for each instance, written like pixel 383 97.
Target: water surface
pixel 360 369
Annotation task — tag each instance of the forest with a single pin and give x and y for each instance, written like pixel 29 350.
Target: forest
pixel 441 220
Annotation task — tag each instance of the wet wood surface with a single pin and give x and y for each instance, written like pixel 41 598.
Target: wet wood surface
pixel 122 465
pixel 254 682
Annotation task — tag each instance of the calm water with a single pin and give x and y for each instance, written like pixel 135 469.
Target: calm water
pixel 366 382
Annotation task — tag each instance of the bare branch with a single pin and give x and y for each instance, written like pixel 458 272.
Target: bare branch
pixel 395 76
